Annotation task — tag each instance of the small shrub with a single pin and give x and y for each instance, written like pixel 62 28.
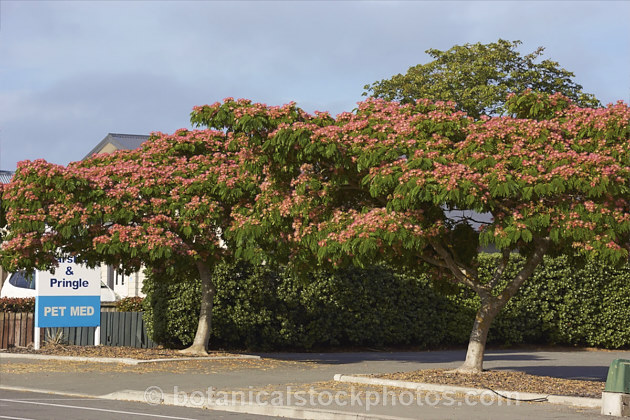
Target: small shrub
pixel 54 337
pixel 17 304
pixel 130 304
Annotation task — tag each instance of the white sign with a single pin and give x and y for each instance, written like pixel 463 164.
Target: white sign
pixel 69 297
pixel 69 279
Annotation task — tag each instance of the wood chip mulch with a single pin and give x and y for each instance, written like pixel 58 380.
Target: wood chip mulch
pixel 503 380
pixel 110 351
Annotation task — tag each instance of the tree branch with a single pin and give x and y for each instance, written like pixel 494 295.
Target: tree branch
pixel 461 276
pixel 433 261
pixel 468 218
pixel 500 269
pixel 542 245
pixel 354 187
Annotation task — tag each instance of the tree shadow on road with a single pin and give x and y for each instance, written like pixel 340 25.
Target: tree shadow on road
pixel 449 356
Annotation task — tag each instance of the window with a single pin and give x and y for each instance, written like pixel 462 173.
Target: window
pixel 23 280
pixel 119 278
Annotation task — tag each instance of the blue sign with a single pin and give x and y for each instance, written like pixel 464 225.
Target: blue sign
pixel 68 311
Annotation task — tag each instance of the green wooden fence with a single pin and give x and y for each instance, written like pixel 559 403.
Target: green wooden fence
pixel 117 329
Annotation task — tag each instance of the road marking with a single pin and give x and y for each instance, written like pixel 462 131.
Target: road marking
pixel 97 409
pixel 58 399
pixel 15 418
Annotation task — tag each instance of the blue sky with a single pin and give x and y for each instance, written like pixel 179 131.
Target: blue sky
pixel 73 71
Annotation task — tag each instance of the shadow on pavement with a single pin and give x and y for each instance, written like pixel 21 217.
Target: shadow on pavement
pixel 415 357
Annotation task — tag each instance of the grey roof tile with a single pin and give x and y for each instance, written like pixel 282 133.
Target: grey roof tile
pixel 5 176
pixel 121 141
pixel 128 141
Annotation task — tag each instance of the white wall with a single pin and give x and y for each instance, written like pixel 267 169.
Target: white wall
pixel 124 286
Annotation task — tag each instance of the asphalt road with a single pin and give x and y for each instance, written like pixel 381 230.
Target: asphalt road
pixel 39 406
pixel 285 374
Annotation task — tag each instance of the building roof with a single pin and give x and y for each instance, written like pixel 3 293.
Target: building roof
pixel 5 176
pixel 118 142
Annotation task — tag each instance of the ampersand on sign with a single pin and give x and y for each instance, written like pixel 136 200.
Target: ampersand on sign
pixel 69 271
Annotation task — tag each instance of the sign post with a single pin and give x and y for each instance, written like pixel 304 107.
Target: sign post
pixel 71 297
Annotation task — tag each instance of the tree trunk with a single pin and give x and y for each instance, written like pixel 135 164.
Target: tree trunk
pixel 3 276
pixel 490 307
pixel 202 336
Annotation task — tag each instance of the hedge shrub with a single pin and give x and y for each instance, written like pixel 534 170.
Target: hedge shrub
pixel 361 307
pixel 130 304
pixel 17 304
pixel 171 309
pixel 257 308
pixel 260 309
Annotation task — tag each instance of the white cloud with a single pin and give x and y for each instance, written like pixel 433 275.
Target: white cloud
pixel 72 71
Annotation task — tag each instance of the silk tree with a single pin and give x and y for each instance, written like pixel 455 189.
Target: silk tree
pixel 403 183
pixel 166 206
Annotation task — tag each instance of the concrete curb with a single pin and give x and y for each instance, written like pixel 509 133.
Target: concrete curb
pixel 253 408
pixel 123 360
pixel 257 409
pixel 45 391
pixel 554 399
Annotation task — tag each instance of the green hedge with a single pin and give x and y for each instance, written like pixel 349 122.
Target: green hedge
pixel 259 309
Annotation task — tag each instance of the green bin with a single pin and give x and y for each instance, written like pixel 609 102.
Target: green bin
pixel 618 377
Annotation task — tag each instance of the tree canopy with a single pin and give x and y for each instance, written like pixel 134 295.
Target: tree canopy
pixel 478 78
pixel 165 206
pixel 393 182
pixel 401 183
